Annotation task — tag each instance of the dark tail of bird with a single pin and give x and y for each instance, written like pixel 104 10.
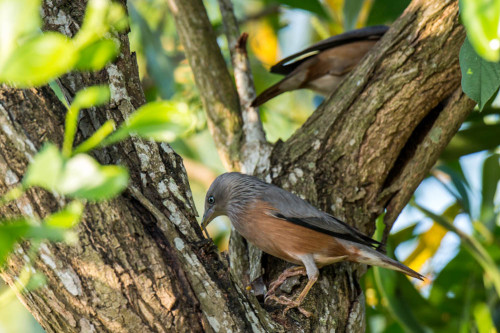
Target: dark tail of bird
pixel 267 94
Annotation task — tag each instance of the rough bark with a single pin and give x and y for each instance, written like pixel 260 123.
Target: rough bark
pixel 138 265
pixel 368 146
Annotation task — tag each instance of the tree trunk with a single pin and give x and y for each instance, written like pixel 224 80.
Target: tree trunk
pixel 138 264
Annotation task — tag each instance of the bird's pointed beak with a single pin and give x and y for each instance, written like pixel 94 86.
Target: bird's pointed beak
pixel 207 218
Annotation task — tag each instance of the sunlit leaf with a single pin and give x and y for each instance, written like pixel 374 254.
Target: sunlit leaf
pixel 482 19
pixel 430 241
pixel 88 97
pixel 83 177
pixel 117 18
pixel 10 233
pixel 264 42
pixel 480 78
pixel 106 129
pixel 18 19
pixel 100 16
pixel 12 194
pixel 484 321
pixel 475 248
pixel 161 121
pixel 91 96
pixel 80 176
pixel 96 55
pixel 45 169
pixel 67 217
pixel 39 60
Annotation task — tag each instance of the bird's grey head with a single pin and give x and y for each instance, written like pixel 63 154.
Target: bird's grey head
pixel 229 194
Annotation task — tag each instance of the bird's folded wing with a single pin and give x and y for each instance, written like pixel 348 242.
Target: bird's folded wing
pixel 369 33
pixel 336 229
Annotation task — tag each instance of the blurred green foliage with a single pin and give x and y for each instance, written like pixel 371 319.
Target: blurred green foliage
pixel 29 58
pixel 460 295
pixel 482 19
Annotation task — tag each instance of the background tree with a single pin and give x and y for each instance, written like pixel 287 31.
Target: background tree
pixel 138 263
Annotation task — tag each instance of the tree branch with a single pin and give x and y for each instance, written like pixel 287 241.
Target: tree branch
pixel 255 150
pixel 359 132
pixel 357 154
pixel 216 87
pixel 138 265
pixel 421 153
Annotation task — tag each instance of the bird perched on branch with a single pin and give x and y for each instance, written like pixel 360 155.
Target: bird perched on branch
pixel 322 66
pixel 285 226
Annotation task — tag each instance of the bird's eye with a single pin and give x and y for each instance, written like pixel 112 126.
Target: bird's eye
pixel 211 200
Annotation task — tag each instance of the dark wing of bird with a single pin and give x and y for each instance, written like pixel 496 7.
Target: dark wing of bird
pixel 336 229
pixel 288 206
pixel 287 65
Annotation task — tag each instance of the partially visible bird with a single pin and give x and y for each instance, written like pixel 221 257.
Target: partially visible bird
pixel 285 226
pixel 322 66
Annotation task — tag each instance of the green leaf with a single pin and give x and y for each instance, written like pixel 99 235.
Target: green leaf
pixel 10 234
pixel 159 65
pixel 313 6
pixel 117 18
pixel 91 96
pixel 473 139
pixel 45 169
pixel 480 78
pixel 84 178
pixel 12 194
pixel 18 19
pixel 482 19
pixel 80 176
pixel 472 245
pixel 386 11
pixel 96 55
pixel 39 60
pixel 36 281
pixel 96 138
pixel 100 16
pixel 42 232
pixel 67 217
pixel 490 181
pixel 483 318
pixel 460 184
pixel 86 98
pixel 386 281
pixel 351 11
pixel 160 121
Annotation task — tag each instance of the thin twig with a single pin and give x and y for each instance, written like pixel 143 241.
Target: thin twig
pixel 255 148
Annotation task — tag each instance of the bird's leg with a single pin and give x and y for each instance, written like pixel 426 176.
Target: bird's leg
pixel 312 274
pixel 293 271
pixel 296 303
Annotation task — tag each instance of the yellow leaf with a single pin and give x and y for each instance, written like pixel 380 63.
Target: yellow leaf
pixel 429 241
pixel 427 246
pixel 264 42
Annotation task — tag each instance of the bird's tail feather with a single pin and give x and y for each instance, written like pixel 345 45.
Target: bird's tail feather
pixel 371 257
pixel 267 94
